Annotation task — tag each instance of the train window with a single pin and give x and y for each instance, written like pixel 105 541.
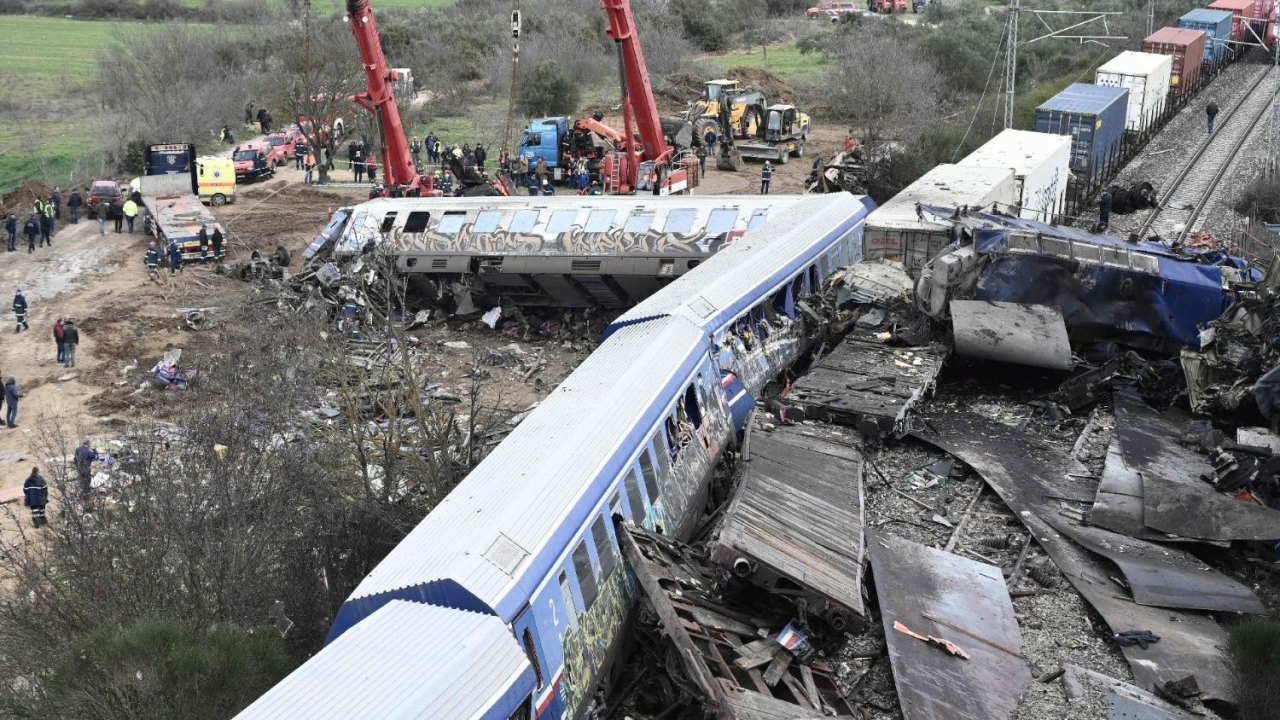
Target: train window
pixel 487 221
pixel 680 220
pixel 757 219
pixel 673 437
pixel 638 515
pixel 604 547
pixel 722 220
pixel 566 595
pixel 600 221
pixel 586 577
pixel 532 652
pixel 451 222
pixel 814 283
pixel 388 222
pixel 524 221
pixel 664 458
pixel 561 221
pixel 522 711
pixel 615 505
pixel 691 407
pixel 650 477
pixel 417 222
pixel 638 223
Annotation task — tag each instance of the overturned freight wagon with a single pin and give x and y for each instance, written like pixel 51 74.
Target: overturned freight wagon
pixel 573 251
pixel 1095 118
pixel 1040 164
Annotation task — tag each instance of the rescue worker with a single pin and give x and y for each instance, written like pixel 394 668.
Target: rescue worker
pixel 73 204
pixel 299 152
pixel 1104 210
pixel 701 154
pixel 11 396
pixel 71 338
pixel 57 338
pixel 1211 112
pixel 357 164
pixel 31 229
pixel 531 184
pixel 175 259
pixel 85 456
pixel 766 175
pixel 415 149
pixel 152 259
pixel 595 188
pixel 130 210
pixel 117 212
pixel 56 198
pixel 446 182
pixel 204 245
pixel 37 207
pixel 35 495
pixel 481 155
pixel 11 227
pixel 46 226
pixel 308 167
pixel 433 147
pixel 20 312
pixel 216 242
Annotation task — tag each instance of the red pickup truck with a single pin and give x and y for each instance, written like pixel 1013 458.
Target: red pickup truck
pixel 251 160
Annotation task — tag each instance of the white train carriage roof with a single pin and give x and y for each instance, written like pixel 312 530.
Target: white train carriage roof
pixel 738 276
pixel 564 223
pixel 498 534
pixel 408 662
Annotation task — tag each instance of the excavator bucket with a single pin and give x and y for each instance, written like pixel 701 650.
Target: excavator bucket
pixel 728 159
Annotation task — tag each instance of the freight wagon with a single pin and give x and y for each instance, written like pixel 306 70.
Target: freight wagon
pixel 1185 48
pixel 1040 163
pixel 1094 117
pixel 896 231
pixel 1146 77
pixel 1217 27
pixel 1242 12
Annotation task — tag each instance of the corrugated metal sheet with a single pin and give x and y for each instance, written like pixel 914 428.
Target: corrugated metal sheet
pixel 952 185
pixel 736 277
pixel 1093 116
pixel 1216 24
pixel 1084 99
pixel 1186 47
pixel 496 529
pixel 408 662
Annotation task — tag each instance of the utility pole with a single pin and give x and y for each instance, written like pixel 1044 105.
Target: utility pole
pixel 515 68
pixel 1044 16
pixel 1151 17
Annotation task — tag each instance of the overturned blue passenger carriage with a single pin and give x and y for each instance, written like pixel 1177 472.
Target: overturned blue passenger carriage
pixel 526 543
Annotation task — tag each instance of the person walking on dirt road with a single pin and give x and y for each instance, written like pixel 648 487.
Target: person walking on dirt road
pixel 1211 112
pixel 62 345
pixel 130 210
pixel 11 227
pixel 175 259
pixel 152 259
pixel 20 311
pixel 11 395
pixel 73 204
pixel 766 176
pixel 56 198
pixel 35 495
pixel 117 212
pixel 46 226
pixel 31 229
pixel 71 338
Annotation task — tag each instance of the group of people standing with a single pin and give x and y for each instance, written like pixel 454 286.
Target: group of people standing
pixel 43 221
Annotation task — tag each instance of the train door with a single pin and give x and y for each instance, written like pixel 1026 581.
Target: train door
pixel 526 630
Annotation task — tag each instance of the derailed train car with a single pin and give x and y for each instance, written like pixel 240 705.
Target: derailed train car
pixel 515 581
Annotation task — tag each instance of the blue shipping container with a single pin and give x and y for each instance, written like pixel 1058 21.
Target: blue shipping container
pixel 1216 25
pixel 1094 118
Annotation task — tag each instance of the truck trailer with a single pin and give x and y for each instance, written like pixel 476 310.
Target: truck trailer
pixel 170 190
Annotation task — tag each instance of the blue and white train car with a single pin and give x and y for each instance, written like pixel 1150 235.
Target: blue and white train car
pixel 746 299
pixel 526 543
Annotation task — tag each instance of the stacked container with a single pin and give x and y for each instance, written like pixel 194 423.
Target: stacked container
pixel 1185 47
pixel 1040 164
pixel 1217 27
pixel 1094 117
pixel 1146 77
pixel 1242 12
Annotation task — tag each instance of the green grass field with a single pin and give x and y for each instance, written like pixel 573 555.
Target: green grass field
pixel 784 61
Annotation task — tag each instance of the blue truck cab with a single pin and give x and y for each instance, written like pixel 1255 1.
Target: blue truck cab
pixel 543 138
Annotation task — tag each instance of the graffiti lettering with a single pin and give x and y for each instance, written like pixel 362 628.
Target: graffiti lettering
pixel 615 241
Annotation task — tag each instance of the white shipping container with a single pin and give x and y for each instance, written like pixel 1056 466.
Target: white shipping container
pixel 1146 77
pixel 1040 164
pixel 895 232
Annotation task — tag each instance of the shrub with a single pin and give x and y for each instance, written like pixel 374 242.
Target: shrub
pixel 1255 645
pixel 547 90
pixel 1261 199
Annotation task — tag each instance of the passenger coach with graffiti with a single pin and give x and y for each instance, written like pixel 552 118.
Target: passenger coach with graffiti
pixel 510 600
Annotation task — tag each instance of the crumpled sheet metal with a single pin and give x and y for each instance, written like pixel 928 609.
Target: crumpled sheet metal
pixel 1020 469
pixel 1119 504
pixel 1175 499
pixel 938 594
pixel 1032 335
pixel 1124 701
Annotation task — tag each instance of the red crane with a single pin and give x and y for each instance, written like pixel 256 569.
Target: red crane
pixel 651 169
pixel 401 176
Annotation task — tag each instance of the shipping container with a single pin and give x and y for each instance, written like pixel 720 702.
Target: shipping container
pixel 1262 9
pixel 1217 27
pixel 1146 77
pixel 1040 162
pixel 895 231
pixel 1242 11
pixel 1186 47
pixel 1094 117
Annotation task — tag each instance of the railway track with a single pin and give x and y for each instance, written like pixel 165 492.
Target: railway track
pixel 1191 190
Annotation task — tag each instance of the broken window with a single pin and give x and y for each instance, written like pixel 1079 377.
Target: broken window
pixel 487 221
pixel 664 459
pixel 586 578
pixel 532 652
pixel 722 220
pixel 566 594
pixel 615 506
pixel 638 514
pixel 388 222
pixel 451 222
pixel 814 282
pixel 680 220
pixel 691 407
pixel 524 221
pixel 604 547
pixel 417 222
pixel 650 477
pixel 673 437
pixel 561 221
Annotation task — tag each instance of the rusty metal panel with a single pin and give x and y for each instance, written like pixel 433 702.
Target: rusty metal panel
pixel 795 523
pixel 938 594
pixel 1175 499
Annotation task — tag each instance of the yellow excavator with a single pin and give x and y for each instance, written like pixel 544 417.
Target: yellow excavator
pixel 746 110
pixel 781 137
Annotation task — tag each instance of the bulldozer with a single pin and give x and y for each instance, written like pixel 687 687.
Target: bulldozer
pixel 782 135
